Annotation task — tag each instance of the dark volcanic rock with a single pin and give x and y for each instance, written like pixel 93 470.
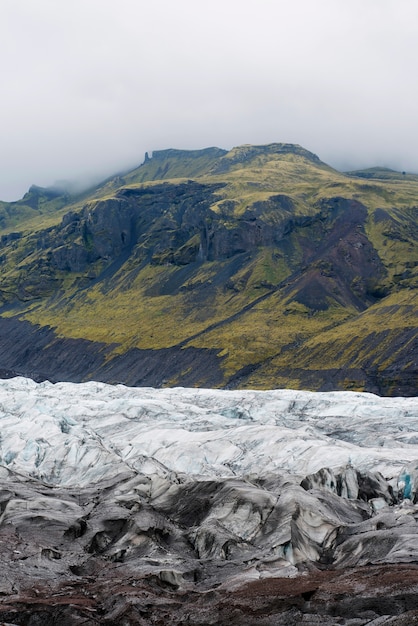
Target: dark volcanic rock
pixel 36 352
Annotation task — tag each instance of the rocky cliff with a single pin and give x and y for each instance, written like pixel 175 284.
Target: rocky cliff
pixel 259 267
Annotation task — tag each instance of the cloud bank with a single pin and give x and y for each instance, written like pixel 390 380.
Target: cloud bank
pixel 90 85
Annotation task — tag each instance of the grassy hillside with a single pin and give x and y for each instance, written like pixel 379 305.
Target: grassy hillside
pixel 289 272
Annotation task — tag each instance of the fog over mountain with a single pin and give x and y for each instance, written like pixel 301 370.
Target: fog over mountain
pixel 90 85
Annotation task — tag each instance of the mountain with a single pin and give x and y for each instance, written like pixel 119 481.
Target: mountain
pixel 132 506
pixel 259 267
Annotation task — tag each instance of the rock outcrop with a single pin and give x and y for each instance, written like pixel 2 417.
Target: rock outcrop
pixel 284 271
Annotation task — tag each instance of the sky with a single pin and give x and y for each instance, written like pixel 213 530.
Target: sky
pixel 89 85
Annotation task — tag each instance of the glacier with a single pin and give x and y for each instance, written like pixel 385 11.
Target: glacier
pixel 75 434
pixel 197 491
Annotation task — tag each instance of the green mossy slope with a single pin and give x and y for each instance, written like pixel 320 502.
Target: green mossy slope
pixel 292 273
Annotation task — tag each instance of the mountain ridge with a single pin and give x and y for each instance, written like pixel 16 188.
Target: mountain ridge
pixel 263 257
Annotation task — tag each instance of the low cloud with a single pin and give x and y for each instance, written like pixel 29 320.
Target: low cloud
pixel 90 85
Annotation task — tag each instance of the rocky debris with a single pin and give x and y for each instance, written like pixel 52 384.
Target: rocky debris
pixel 357 597
pixel 29 350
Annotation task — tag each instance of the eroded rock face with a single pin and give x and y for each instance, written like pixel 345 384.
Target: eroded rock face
pixel 137 506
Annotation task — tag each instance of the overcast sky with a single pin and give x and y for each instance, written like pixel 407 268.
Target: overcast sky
pixel 89 85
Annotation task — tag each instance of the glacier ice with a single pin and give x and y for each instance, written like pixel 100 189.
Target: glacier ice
pixel 75 434
pixel 221 487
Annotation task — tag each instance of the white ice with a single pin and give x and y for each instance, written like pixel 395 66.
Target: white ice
pixel 76 434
